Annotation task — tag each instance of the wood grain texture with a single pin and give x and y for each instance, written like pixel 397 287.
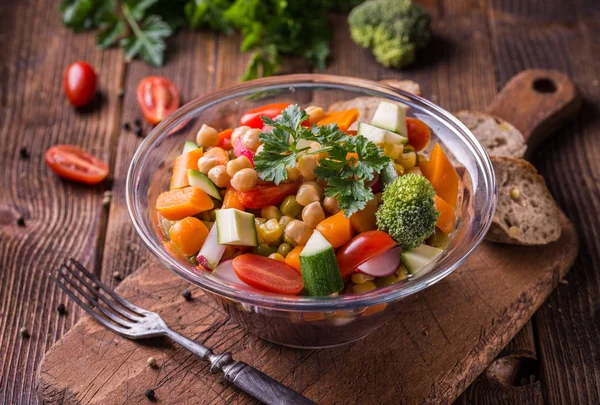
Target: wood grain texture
pixel 61 218
pixel 564 36
pixel 431 354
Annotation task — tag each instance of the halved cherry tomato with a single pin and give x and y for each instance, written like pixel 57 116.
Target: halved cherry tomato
pixel 252 118
pixel 79 82
pixel 361 248
pixel 158 97
pixel 419 133
pixel 268 274
pixel 72 163
pixel 225 139
pixel 263 196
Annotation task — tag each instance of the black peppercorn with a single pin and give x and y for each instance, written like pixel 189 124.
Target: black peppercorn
pixel 138 122
pixel 62 310
pixel 127 126
pixel 187 294
pixel 138 132
pixel 21 222
pixel 150 395
pixel 24 332
pixel 24 153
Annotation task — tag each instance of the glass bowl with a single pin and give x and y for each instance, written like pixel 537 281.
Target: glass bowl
pixel 300 321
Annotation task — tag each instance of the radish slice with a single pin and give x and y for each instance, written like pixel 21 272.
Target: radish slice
pixel 240 150
pixel 382 265
pixel 224 272
pixel 211 252
pixel 375 184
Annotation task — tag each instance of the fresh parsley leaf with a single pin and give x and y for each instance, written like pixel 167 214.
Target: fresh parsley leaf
pixel 147 40
pixel 78 14
pixel 110 34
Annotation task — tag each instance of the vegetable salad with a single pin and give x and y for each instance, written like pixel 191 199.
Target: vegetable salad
pixel 293 202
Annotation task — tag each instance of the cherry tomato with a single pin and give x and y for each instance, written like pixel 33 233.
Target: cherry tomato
pixel 72 163
pixel 79 82
pixel 158 97
pixel 263 196
pixel 419 133
pixel 225 139
pixel 252 117
pixel 361 248
pixel 268 274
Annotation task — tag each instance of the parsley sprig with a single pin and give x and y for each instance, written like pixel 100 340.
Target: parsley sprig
pixel 350 164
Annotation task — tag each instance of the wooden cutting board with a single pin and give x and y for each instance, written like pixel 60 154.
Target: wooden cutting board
pixel 438 343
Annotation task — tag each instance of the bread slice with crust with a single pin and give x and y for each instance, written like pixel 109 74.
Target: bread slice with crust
pixel 526 213
pixel 498 137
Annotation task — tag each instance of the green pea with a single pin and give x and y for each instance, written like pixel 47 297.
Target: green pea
pixel 263 250
pixel 284 249
pixel 290 207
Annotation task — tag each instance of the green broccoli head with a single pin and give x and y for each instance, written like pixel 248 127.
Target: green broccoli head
pixel 408 211
pixel 393 29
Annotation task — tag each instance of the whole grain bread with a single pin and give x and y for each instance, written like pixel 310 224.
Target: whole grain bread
pixel 366 106
pixel 498 137
pixel 526 213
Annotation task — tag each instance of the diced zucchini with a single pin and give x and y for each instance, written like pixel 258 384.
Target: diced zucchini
pixel 391 117
pixel 319 268
pixel 419 257
pixel 189 146
pixel 379 136
pixel 235 227
pixel 201 180
pixel 388 174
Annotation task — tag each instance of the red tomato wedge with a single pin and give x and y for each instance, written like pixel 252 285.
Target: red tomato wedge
pixel 79 82
pixel 252 117
pixel 419 133
pixel 158 97
pixel 263 196
pixel 268 274
pixel 72 163
pixel 225 139
pixel 361 248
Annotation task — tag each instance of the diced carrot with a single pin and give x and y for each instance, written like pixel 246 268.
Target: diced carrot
pixel 188 235
pixel 225 139
pixel 343 119
pixel 219 153
pixel 189 160
pixel 364 220
pixel 293 258
pixel 232 200
pixel 337 229
pixel 183 202
pixel 423 166
pixel 446 219
pixel 374 309
pixel 442 175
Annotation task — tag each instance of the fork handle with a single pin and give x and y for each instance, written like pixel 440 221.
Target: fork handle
pixel 261 386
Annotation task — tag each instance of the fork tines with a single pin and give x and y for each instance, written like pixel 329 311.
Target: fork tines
pixel 103 304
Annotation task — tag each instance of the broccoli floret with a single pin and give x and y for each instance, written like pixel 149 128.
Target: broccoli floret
pixel 408 211
pixel 393 29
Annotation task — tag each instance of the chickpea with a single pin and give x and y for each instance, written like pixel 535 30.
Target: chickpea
pixel 319 188
pixel 270 212
pixel 207 137
pixel 307 193
pixel 239 131
pixel 259 149
pixel 314 113
pixel 314 146
pixel 298 232
pixel 331 205
pixel 237 164
pixel 250 139
pixel 207 162
pixel 293 173
pixel 244 180
pixel 313 214
pixel 219 176
pixel 307 165
pixel 284 220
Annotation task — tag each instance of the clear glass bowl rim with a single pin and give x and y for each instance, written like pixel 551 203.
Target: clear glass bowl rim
pixel 388 294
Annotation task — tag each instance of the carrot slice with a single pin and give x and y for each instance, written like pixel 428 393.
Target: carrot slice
pixel 337 229
pixel 343 119
pixel 189 160
pixel 442 175
pixel 183 202
pixel 188 235
pixel 219 153
pixel 293 258
pixel 446 219
pixel 225 139
pixel 232 200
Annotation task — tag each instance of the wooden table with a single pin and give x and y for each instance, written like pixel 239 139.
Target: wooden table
pixel 478 46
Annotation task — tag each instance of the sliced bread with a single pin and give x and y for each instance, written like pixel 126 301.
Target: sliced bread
pixel 526 213
pixel 498 137
pixel 367 105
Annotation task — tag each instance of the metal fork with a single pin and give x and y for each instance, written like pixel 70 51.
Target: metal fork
pixel 130 321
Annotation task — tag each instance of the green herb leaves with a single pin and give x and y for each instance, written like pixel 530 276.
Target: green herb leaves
pixel 350 164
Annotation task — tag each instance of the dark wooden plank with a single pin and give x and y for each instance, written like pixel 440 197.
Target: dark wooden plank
pixel 61 218
pixel 564 36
